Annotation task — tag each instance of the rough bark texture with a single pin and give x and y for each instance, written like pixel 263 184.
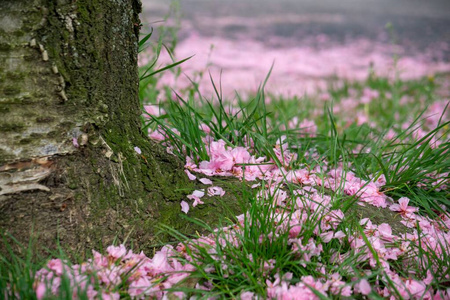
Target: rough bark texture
pixel 68 70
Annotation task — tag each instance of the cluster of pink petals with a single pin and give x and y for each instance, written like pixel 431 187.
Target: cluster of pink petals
pixel 307 127
pixel 354 108
pixel 348 183
pixel 437 113
pixel 153 110
pixel 299 69
pixel 143 277
pixel 228 161
pixel 368 95
pixel 196 195
pixel 387 246
pixel 232 161
pixel 438 181
pixel 434 234
pixel 239 162
pixel 375 247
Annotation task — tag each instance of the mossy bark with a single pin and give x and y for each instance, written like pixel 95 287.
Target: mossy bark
pixel 69 76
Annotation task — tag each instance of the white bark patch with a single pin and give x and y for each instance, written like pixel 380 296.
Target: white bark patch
pixel 10 24
pixel 24 176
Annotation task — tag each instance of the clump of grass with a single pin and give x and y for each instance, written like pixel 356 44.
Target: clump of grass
pixel 408 163
pixel 17 273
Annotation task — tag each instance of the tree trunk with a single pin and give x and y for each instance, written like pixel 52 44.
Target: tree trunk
pixel 69 125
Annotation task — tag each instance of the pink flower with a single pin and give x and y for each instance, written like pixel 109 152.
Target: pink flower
pixel 368 95
pixel 332 219
pixel 339 235
pixel 300 176
pixel 429 278
pixel 338 287
pixel 403 207
pixel 190 165
pixel 279 196
pixel 56 265
pixel 90 293
pixel 110 276
pixel 184 207
pixel 361 118
pixel 442 295
pixel 308 128
pixel 99 260
pixel 179 272
pixel 196 195
pixel 416 288
pixel 143 286
pixel 197 201
pixel 116 252
pixel 159 263
pixel 381 181
pixel 215 191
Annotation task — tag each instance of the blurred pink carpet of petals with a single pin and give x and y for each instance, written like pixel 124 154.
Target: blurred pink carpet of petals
pixel 244 64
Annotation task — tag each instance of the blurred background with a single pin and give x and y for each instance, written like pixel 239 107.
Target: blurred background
pixel 309 42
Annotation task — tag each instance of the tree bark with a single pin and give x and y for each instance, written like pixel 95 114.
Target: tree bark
pixel 69 123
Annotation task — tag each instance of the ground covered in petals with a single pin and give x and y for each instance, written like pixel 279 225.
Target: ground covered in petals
pixel 344 190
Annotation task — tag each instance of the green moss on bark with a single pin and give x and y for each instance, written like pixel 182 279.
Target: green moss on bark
pixel 102 190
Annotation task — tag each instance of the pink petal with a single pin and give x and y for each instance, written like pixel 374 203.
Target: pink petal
pixel 385 230
pixel 40 290
pixel 205 181
pixel 339 235
pixel 75 142
pixel 294 231
pixel 395 207
pixel 247 296
pixel 117 251
pixel 403 201
pixel 198 193
pixel 364 287
pixel 190 175
pixel 156 135
pixel 153 110
pixel 429 278
pixel 197 201
pixel 327 236
pixel 184 207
